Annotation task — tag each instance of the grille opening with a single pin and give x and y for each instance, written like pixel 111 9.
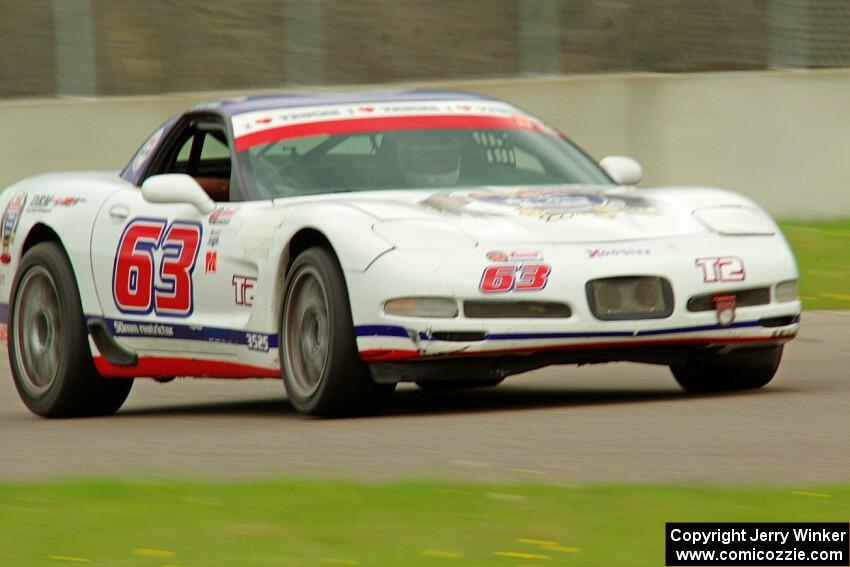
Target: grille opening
pixel 505 309
pixel 458 336
pixel 743 298
pixel 783 321
pixel 630 297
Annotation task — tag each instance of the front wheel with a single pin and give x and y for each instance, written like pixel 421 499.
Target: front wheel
pixel 741 369
pixel 322 370
pixel 48 343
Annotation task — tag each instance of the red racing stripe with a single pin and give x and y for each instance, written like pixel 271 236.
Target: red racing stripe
pixel 383 123
pixel 387 355
pixel 167 367
pixel 382 355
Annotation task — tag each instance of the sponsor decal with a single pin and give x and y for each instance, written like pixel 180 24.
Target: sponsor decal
pixel 222 215
pixel 504 278
pixel 255 128
pixel 213 239
pixel 153 267
pixel 721 269
pixel 243 289
pixel 11 218
pixel 40 203
pixel 617 252
pixel 147 150
pixel 124 328
pixel 193 333
pixel 499 256
pixel 210 261
pixel 545 204
pixel 67 201
pixel 257 341
pixel 44 203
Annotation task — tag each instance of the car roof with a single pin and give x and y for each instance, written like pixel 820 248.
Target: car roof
pixel 239 105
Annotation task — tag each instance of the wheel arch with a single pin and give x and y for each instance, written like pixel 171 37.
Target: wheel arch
pixel 41 232
pixel 76 254
pixel 304 238
pixel 343 230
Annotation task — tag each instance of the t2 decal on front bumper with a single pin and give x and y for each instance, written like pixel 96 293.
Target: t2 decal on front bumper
pixel 721 269
pixel 514 277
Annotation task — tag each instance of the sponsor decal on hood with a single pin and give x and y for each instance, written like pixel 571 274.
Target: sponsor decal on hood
pixel 545 204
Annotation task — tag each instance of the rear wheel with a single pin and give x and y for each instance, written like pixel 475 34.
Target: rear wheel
pixel 741 369
pixel 48 343
pixel 322 370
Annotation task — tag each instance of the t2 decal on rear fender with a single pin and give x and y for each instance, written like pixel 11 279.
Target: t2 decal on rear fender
pixel 514 277
pixel 153 267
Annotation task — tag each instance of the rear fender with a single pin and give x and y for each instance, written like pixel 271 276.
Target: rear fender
pixel 43 208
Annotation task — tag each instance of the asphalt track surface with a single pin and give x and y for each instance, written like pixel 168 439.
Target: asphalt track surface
pixel 610 423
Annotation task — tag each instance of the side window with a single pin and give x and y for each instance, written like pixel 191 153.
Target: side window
pixel 181 164
pixel 214 148
pixel 205 156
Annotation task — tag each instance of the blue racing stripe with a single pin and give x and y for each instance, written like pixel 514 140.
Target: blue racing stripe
pixel 604 334
pixel 165 330
pixel 380 331
pixel 395 331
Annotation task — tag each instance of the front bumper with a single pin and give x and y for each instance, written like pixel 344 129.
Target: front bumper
pixel 457 274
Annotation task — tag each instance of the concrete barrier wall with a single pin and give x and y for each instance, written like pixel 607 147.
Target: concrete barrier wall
pixel 780 137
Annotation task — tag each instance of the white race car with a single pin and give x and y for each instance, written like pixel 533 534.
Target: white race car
pixel 348 242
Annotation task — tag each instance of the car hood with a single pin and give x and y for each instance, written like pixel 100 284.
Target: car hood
pixel 549 214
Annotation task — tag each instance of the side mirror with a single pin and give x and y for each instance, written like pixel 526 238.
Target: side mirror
pixel 177 188
pixel 623 170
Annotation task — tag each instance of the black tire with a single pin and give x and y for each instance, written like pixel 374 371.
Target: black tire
pixel 48 342
pixel 741 369
pixel 441 385
pixel 323 374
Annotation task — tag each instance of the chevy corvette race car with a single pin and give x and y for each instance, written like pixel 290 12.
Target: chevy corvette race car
pixel 347 242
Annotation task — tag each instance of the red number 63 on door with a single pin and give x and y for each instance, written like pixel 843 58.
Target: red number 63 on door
pixel 137 286
pixel 514 277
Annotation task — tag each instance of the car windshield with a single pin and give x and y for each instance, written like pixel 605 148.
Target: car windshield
pixel 293 161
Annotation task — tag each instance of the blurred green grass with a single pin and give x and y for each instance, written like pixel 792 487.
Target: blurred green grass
pixel 823 255
pixel 316 523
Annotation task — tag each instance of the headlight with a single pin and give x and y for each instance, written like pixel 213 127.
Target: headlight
pixel 734 220
pixel 442 307
pixel 786 291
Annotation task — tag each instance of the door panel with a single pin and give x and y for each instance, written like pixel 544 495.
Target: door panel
pixel 160 277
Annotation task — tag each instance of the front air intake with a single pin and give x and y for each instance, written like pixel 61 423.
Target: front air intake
pixel 507 309
pixel 743 298
pixel 630 297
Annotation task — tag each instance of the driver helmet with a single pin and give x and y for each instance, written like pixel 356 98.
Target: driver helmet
pixel 428 158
